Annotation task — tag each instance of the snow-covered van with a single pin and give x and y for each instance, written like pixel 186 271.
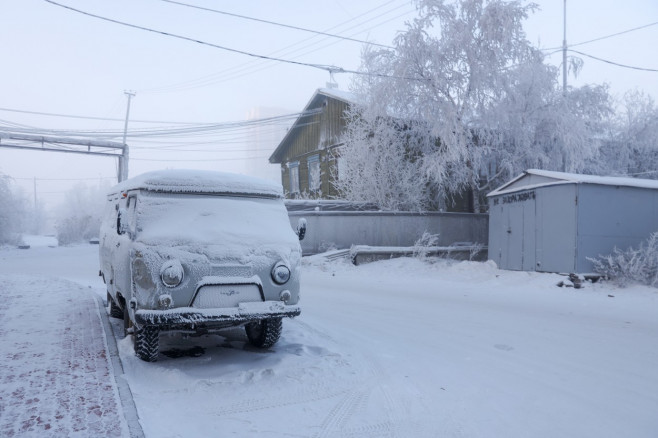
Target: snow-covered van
pixel 197 252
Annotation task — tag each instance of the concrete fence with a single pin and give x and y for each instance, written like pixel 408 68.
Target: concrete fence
pixel 340 230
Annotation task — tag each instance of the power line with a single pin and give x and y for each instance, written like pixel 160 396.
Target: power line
pixel 70 116
pixel 604 37
pixel 255 66
pixel 328 68
pixel 613 63
pixel 225 128
pixel 276 24
pixel 65 179
pixel 189 161
pixel 205 43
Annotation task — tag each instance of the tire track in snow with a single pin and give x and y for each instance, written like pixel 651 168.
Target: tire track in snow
pixel 343 411
pixel 252 405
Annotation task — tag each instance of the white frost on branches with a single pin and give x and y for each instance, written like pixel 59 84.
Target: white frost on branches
pixel 12 213
pixel 463 101
pixel 633 148
pixel 632 265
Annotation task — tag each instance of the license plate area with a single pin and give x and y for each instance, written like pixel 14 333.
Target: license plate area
pixel 218 296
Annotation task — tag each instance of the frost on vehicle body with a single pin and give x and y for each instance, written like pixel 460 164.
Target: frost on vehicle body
pixel 197 251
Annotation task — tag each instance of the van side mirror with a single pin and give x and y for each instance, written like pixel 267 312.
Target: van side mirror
pixel 121 225
pixel 301 228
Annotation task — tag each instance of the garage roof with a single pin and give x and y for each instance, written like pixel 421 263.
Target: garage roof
pixel 534 178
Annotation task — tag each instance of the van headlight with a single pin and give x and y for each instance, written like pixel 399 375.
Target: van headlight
pixel 172 273
pixel 280 273
pixel 141 274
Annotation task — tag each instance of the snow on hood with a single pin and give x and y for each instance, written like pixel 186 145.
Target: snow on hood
pixel 200 181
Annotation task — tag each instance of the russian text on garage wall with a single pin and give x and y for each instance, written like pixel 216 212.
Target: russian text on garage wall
pixel 513 198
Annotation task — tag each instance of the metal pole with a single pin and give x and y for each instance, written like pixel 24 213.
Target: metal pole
pixel 123 159
pixel 564 52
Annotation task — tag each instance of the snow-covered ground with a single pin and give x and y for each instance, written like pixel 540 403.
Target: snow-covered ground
pixel 401 348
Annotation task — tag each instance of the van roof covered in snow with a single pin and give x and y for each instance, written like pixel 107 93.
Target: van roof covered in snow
pixel 200 181
pixel 533 178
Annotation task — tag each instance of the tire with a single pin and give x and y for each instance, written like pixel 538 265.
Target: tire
pixel 147 343
pixel 264 333
pixel 115 311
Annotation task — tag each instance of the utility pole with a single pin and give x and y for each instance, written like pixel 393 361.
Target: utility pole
pixel 36 219
pixel 564 53
pixel 123 159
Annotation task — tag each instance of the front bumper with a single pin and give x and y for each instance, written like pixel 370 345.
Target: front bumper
pixel 190 318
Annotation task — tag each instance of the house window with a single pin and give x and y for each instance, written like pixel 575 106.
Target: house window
pixel 294 176
pixel 313 173
pixel 340 167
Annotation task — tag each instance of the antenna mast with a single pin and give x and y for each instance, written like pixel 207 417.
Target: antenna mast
pixel 564 52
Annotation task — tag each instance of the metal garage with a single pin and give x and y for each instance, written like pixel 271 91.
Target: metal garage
pixel 553 221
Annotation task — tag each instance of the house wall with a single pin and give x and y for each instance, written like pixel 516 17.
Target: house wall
pixel 341 230
pixel 317 134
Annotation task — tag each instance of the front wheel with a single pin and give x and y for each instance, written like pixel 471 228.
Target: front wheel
pixel 147 343
pixel 264 333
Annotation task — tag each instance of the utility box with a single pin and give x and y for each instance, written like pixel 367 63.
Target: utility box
pixel 554 221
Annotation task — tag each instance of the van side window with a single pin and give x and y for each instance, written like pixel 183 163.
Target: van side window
pixel 131 216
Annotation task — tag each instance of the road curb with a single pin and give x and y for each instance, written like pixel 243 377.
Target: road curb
pixel 125 394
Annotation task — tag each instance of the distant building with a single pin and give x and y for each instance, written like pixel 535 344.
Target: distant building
pixel 308 153
pixel 260 142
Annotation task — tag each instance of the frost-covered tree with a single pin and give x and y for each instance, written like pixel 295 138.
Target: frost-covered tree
pixel 11 212
pixel 633 145
pixel 79 217
pixel 462 102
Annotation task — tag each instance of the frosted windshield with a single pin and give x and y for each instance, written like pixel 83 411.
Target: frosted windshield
pixel 226 220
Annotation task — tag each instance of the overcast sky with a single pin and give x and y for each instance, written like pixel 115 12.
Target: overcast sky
pixel 62 62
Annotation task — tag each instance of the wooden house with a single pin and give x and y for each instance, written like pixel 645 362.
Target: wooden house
pixel 308 153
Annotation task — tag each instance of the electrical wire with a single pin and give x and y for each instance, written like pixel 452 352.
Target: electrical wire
pixel 225 128
pixel 605 37
pixel 257 66
pixel 614 63
pixel 275 23
pixel 63 179
pixel 205 43
pixel 108 119
pixel 195 161
pixel 329 68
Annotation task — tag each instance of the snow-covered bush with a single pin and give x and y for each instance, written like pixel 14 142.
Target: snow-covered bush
pixel 475 251
pixel 632 265
pixel 424 244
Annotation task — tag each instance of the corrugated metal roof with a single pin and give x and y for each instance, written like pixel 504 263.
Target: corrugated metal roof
pixel 542 178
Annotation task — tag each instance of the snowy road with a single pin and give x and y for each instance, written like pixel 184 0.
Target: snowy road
pixel 404 348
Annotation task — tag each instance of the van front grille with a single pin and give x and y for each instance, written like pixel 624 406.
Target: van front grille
pixel 231 270
pixel 218 296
